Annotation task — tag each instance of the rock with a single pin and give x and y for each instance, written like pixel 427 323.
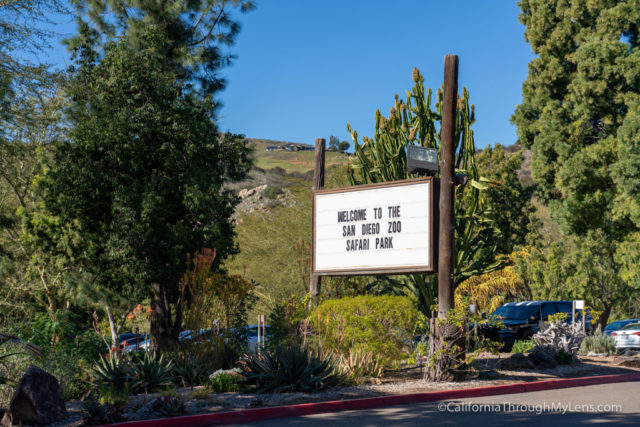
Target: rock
pixel 594 354
pixel 628 361
pixel 36 401
pixel 515 362
pixel 542 359
pixel 488 375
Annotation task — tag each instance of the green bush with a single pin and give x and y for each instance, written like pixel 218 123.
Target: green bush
pixel 381 325
pixel 223 381
pixel 522 346
pixel 286 320
pixel 288 369
pixel 598 343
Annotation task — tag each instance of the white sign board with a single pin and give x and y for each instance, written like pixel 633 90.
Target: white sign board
pixel 374 229
pixel 579 304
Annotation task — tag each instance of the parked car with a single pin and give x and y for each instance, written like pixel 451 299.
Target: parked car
pixel 618 324
pixel 520 320
pixel 628 336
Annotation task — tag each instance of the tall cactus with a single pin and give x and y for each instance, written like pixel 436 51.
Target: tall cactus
pixel 383 158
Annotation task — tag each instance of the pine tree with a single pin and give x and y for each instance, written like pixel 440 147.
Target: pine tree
pixel 579 116
pixel 144 173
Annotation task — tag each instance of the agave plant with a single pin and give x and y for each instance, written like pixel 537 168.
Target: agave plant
pixel 113 373
pixel 287 369
pixel 151 373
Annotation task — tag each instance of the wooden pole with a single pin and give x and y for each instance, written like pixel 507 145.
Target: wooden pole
pixel 318 183
pixel 446 253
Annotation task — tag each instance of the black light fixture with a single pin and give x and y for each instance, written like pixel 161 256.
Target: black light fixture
pixel 422 160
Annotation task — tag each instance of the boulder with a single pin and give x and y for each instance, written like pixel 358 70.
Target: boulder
pixel 516 362
pixel 542 359
pixel 36 400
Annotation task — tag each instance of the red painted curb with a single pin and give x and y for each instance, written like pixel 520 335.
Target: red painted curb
pixel 259 414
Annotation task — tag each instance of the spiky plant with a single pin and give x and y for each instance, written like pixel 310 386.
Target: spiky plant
pixel 151 373
pixel 287 369
pixel 112 373
pixel 598 343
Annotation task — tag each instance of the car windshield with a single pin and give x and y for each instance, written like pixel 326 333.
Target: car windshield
pixel 617 325
pixel 632 326
pixel 508 312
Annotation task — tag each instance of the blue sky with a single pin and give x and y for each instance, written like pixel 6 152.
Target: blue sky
pixel 305 69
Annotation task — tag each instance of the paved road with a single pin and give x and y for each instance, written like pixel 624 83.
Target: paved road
pixel 599 404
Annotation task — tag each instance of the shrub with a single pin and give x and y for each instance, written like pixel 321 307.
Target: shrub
pixel 382 325
pixel 359 363
pixel 598 343
pixel 523 346
pixel 223 381
pixel 287 369
pixel 287 321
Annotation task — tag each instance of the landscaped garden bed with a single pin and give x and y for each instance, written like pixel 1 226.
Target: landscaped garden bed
pixel 407 380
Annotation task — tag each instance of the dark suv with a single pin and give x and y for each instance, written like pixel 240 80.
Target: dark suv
pixel 520 320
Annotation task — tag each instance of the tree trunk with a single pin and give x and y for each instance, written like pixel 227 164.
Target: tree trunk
pixel 604 317
pixel 446 351
pixel 112 327
pixel 163 331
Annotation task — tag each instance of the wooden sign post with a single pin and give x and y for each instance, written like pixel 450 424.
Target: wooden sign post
pixel 315 282
pixel 446 247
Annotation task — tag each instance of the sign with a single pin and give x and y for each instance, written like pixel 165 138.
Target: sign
pixel 382 228
pixel 579 304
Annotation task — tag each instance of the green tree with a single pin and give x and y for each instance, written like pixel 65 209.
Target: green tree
pixel 508 201
pixel 334 141
pixel 144 174
pixel 579 117
pixel 343 146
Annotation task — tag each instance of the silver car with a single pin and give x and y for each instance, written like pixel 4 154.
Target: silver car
pixel 628 336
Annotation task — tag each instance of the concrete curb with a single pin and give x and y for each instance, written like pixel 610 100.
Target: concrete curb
pixel 259 414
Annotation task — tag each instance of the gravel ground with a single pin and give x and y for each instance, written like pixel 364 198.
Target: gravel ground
pixel 408 380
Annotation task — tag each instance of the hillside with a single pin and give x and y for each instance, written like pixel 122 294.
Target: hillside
pixel 299 161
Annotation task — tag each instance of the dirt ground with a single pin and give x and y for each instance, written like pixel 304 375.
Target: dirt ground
pixel 402 381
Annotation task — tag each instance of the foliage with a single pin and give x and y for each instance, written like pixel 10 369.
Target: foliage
pixel 598 343
pixel 217 298
pixel 144 174
pixel 523 346
pixel 579 116
pixel 577 268
pixel 490 291
pixel 358 363
pixel 509 201
pixel 559 338
pixel 112 373
pixel 288 369
pixel 150 373
pixel 188 370
pixel 223 381
pixel 383 325
pixel 14 361
pixel 102 412
pixel 288 321
pixel 450 356
pixel 169 406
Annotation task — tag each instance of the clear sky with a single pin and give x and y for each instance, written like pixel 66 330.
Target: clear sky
pixel 305 69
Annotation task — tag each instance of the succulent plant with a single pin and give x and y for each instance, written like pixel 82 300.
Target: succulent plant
pixel 151 373
pixel 288 368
